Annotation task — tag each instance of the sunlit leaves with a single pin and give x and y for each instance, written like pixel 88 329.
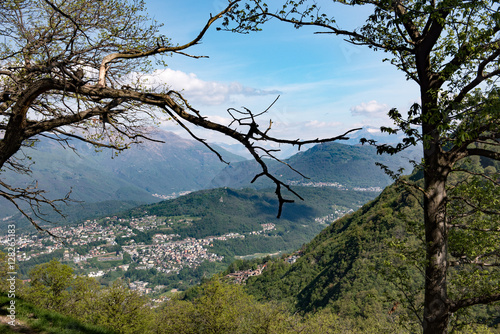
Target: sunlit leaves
pixel 50 283
pixel 55 287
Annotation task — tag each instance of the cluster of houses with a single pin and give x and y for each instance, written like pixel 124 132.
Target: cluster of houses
pixel 172 195
pixel 31 245
pixel 240 277
pixel 140 287
pixel 318 184
pixel 166 253
pixel 172 256
pixel 265 228
pixel 336 214
pixel 374 189
pixel 334 185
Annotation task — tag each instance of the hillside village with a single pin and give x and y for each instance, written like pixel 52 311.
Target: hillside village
pixel 333 185
pixel 116 241
pixel 166 253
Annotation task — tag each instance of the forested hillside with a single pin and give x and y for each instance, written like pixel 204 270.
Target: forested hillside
pixel 365 265
pixel 176 243
pixel 220 211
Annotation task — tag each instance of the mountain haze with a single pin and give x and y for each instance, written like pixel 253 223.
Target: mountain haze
pixel 347 165
pixel 134 175
pixel 107 183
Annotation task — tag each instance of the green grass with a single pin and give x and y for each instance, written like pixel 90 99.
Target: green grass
pixel 31 319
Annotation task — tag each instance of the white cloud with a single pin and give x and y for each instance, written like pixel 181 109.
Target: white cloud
pixel 318 124
pixel 370 109
pixel 219 119
pixel 200 91
pixel 373 130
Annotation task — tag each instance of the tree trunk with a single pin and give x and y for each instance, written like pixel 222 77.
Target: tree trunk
pixel 436 303
pixel 14 134
pixel 12 140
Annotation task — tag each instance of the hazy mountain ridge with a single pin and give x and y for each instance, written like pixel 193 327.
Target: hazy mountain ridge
pixel 152 171
pixel 347 165
pixel 135 174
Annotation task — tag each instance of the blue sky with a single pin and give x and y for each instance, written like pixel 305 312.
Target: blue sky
pixel 326 86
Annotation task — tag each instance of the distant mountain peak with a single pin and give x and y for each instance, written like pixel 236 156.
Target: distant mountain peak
pixel 370 132
pixel 143 173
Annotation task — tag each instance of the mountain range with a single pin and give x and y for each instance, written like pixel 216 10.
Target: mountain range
pixel 352 166
pixel 144 173
pixel 106 183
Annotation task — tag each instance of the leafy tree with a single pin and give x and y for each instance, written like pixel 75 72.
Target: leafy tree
pixel 222 308
pixel 4 269
pixel 54 286
pixel 50 283
pixel 226 308
pixel 72 71
pixel 83 296
pixel 450 48
pixel 120 309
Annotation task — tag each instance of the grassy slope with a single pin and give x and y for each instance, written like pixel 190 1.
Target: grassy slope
pixel 31 319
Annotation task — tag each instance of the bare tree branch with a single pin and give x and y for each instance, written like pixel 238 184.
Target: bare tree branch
pixel 35 198
pixel 160 49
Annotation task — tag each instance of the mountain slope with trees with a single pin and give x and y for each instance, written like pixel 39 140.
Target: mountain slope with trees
pixel 343 255
pixel 224 210
pixel 449 48
pixel 365 265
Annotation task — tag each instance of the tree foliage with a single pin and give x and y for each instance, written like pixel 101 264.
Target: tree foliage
pixel 53 286
pixel 50 285
pixel 221 308
pixel 121 309
pixel 450 48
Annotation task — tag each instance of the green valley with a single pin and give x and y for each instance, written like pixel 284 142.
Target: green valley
pixel 175 243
